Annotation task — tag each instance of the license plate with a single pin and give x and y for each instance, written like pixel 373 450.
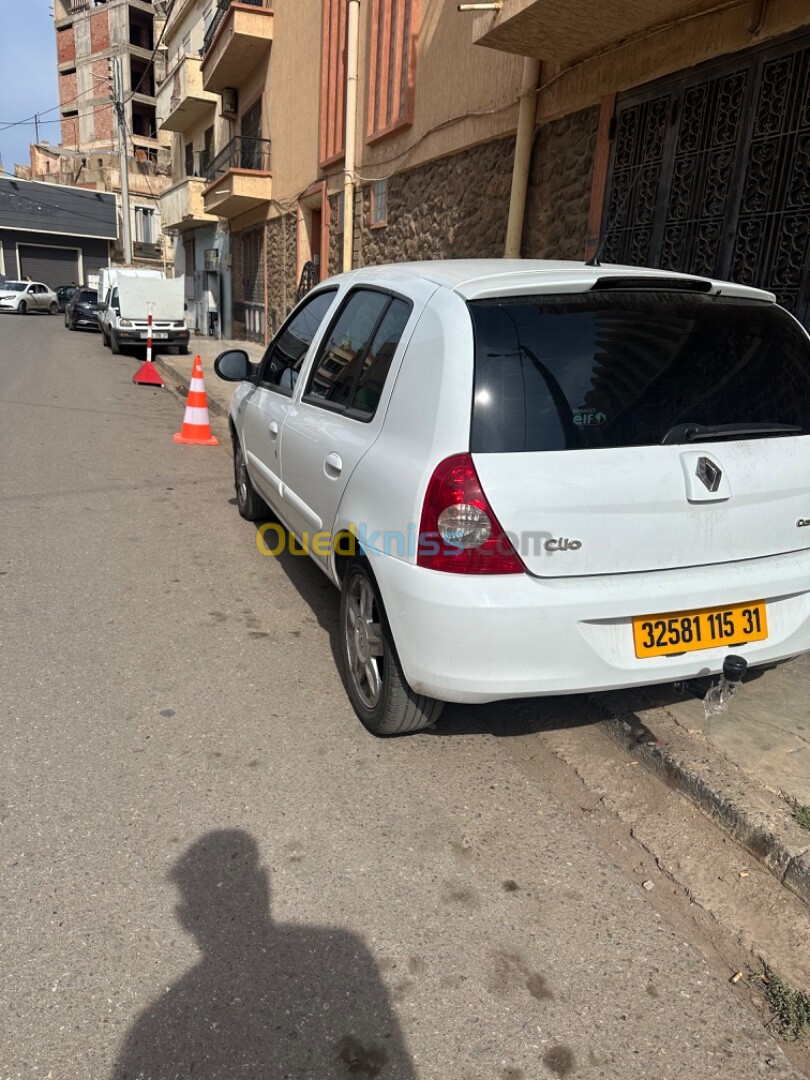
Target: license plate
pixel 687 631
pixel 155 337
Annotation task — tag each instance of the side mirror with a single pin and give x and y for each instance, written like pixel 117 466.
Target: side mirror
pixel 233 365
pixel 102 307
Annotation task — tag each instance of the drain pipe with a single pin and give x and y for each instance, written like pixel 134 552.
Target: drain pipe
pixel 523 157
pixel 352 35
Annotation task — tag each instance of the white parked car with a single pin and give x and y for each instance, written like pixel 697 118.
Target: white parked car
pixel 534 478
pixel 26 296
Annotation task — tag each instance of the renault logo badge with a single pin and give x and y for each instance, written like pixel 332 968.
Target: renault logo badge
pixel 709 473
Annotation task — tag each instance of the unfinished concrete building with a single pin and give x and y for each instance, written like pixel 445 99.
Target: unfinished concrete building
pixel 90 34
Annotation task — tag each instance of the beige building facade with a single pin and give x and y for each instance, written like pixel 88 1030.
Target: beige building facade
pixel 671 134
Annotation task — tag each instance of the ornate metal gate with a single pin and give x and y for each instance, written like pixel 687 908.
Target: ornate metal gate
pixel 710 173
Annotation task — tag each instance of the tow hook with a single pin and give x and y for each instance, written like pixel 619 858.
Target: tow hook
pixel 720 693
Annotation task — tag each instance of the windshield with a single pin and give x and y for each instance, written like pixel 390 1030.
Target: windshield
pixel 88 297
pixel 591 370
pixel 14 286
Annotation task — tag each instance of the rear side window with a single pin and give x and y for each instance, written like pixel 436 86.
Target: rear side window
pixel 600 370
pixel 356 356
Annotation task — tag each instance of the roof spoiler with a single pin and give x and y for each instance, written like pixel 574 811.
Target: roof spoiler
pixel 650 281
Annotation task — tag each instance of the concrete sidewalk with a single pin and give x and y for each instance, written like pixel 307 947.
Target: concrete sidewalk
pixel 177 369
pixel 747 769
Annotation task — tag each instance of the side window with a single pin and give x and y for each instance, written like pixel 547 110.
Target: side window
pixel 114 299
pixel 343 353
pixel 377 363
pixel 282 361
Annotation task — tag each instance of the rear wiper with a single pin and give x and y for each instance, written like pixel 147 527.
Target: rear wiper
pixel 686 433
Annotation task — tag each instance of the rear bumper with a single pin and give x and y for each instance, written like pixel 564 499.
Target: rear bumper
pixel 86 320
pixel 477 639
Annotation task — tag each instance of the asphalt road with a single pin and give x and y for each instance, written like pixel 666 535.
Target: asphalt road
pixel 210 870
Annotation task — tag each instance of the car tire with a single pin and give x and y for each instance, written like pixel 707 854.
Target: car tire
pixel 53 309
pixel 249 502
pixel 377 688
pixel 104 339
pixel 115 348
pixel 22 308
pixel 182 350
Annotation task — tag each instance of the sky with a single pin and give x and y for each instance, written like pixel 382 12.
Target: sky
pixel 28 82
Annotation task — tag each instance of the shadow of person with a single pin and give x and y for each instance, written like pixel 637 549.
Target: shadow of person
pixel 266 1000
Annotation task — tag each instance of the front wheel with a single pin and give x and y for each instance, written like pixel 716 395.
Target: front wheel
pixel 53 309
pixel 115 348
pixel 378 690
pixel 251 505
pixel 183 350
pixel 23 308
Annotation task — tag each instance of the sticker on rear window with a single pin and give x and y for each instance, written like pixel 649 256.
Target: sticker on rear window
pixel 585 417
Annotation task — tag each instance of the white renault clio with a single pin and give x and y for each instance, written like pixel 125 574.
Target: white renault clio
pixel 535 478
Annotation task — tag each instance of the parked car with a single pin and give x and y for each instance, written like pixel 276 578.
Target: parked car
pixel 26 296
pixel 532 478
pixel 82 310
pixel 64 294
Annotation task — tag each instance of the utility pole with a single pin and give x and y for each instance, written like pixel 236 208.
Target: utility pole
pixel 36 127
pixel 118 90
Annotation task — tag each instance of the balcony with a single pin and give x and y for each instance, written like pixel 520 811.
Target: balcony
pixel 240 35
pixel 239 178
pixel 182 206
pixel 142 249
pixel 560 31
pixel 181 100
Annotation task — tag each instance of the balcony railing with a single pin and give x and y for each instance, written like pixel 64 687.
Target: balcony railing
pixel 240 153
pixel 219 15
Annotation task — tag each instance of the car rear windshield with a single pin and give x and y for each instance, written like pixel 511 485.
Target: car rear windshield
pixel 610 369
pixel 88 296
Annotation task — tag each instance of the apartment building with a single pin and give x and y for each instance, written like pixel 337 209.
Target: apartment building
pixel 191 117
pixel 673 134
pixel 90 35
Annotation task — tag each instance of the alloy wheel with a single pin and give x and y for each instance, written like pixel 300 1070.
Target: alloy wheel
pixel 364 641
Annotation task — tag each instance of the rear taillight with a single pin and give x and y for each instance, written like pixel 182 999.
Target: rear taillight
pixel 459 532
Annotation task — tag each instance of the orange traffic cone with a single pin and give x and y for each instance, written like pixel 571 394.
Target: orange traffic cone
pixel 196 428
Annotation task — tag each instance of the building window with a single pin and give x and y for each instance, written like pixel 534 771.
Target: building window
pixel 189 159
pixel 378 203
pixel 145 225
pixel 392 66
pixel 333 82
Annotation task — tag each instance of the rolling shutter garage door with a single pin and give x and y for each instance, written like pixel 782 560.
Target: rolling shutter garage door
pixel 52 266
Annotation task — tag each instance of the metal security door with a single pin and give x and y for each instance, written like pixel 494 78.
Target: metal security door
pixel 709 173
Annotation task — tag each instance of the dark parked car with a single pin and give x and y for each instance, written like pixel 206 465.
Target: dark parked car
pixel 82 310
pixel 64 294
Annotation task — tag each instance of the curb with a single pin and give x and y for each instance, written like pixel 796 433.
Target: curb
pixel 181 382
pixel 752 815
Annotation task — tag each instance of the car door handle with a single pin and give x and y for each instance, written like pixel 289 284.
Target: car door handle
pixel 273 429
pixel 333 466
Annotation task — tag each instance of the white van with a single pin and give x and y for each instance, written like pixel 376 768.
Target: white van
pixel 131 295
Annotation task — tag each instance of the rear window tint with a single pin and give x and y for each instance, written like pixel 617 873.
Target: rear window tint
pixel 591 370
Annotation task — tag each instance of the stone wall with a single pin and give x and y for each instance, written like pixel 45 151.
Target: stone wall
pixel 560 187
pixel 457 207
pixel 453 208
pixel 281 262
